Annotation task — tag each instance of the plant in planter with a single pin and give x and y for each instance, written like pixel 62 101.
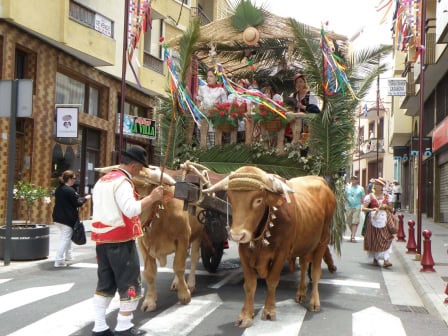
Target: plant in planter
pixel 268 119
pixel 227 115
pixel 29 194
pixel 28 241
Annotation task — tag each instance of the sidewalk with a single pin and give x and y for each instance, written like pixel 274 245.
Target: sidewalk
pixel 79 252
pixel 430 286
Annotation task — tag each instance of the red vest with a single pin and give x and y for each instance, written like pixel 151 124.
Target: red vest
pixel 131 228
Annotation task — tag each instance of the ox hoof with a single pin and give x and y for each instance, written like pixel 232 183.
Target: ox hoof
pixel 300 298
pixel 314 308
pixel 185 299
pixel 148 307
pixel 269 315
pixel 244 323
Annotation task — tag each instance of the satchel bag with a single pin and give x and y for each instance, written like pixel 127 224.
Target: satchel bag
pixel 392 223
pixel 79 233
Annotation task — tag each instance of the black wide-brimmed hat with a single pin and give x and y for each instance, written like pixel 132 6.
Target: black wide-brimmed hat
pixel 137 154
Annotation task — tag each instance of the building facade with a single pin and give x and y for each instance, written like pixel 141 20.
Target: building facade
pixel 420 116
pixel 74 59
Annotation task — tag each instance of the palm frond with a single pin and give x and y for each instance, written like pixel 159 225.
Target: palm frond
pixel 187 46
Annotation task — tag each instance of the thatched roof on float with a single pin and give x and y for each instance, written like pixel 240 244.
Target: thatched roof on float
pixel 222 33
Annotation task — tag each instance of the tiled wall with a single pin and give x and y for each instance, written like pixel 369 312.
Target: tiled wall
pixel 39 130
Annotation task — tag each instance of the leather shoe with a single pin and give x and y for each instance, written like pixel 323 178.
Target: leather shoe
pixel 130 332
pixel 106 332
pixel 387 264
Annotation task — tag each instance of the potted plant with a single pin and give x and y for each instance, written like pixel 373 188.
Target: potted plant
pixel 29 241
pixel 268 119
pixel 226 116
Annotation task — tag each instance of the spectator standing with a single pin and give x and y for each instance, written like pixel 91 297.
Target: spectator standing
pixel 355 196
pixel 65 215
pixel 377 238
pixel 115 227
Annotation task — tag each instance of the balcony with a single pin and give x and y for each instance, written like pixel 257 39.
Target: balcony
pixel 198 12
pixel 368 148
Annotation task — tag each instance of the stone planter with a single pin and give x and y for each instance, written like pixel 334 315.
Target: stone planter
pixel 28 242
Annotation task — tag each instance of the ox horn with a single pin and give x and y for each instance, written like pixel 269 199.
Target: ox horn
pixel 221 185
pixel 154 173
pixel 105 170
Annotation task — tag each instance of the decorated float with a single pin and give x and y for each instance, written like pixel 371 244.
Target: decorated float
pixel 254 46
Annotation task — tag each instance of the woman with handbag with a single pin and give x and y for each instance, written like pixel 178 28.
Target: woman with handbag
pixel 378 237
pixel 65 215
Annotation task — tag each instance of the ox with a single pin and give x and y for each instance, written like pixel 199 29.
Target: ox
pixel 167 229
pixel 274 221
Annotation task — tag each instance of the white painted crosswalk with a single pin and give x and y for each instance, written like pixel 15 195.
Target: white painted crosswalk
pixel 182 320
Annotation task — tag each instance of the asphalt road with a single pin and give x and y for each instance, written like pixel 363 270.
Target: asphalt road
pixel 359 299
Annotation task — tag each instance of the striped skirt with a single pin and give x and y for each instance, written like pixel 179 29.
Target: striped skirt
pixel 376 239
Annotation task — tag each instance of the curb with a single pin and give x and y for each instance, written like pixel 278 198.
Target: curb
pixel 426 284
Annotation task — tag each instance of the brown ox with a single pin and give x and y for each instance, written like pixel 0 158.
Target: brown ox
pixel 167 229
pixel 274 221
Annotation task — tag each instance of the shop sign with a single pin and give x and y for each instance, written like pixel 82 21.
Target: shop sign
pixel 440 135
pixel 137 126
pixel 426 142
pixel 66 122
pixel 396 87
pixel 103 25
pixel 401 153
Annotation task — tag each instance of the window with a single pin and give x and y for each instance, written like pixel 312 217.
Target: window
pixel 91 19
pixel 73 91
pixel 25 65
pixel 133 109
pixel 153 51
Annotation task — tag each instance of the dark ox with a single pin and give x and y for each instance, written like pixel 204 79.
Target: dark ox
pixel 274 221
pixel 167 229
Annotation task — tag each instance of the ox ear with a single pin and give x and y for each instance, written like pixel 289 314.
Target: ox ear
pixel 275 200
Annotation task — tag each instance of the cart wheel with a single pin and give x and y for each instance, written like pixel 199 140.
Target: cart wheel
pixel 211 260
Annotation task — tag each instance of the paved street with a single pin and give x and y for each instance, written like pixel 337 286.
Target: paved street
pixel 359 299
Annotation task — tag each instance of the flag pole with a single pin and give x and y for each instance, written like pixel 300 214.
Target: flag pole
pixel 123 76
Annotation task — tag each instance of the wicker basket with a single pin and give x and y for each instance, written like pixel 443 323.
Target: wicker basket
pixel 274 125
pixel 226 128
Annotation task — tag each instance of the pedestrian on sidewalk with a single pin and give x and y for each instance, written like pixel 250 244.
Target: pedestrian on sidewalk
pixel 377 238
pixel 115 227
pixel 354 194
pixel 65 215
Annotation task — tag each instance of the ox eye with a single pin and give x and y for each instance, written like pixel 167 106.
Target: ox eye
pixel 257 202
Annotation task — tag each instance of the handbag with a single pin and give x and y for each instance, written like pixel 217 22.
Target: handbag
pixel 79 233
pixel 392 223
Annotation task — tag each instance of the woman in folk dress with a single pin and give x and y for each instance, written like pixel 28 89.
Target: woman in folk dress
pixel 377 238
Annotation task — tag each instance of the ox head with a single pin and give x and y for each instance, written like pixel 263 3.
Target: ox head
pixel 253 195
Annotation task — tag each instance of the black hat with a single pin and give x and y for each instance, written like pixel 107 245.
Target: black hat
pixel 137 154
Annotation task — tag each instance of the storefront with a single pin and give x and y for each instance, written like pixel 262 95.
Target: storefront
pixel 440 148
pixel 59 79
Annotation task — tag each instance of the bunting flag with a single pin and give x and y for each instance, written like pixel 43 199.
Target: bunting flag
pixel 334 78
pixel 180 95
pixel 139 20
pixel 251 95
pixel 407 25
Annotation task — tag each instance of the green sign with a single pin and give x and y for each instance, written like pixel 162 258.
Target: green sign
pixel 139 126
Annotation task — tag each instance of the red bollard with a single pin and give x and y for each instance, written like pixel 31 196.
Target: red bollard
pixel 446 292
pixel 427 262
pixel 411 245
pixel 401 237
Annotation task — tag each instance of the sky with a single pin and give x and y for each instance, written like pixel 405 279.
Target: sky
pixel 345 17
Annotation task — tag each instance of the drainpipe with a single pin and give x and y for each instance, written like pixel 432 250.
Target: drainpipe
pixel 420 128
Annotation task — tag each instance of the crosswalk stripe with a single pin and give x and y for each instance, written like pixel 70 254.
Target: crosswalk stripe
pixel 159 269
pixel 29 295
pixel 376 322
pixel 290 317
pixel 66 321
pixel 4 280
pixel 187 317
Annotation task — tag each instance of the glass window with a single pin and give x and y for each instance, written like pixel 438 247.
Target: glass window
pixel 69 90
pixel 93 101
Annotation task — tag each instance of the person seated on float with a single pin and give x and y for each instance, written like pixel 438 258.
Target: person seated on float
pixel 302 100
pixel 209 95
